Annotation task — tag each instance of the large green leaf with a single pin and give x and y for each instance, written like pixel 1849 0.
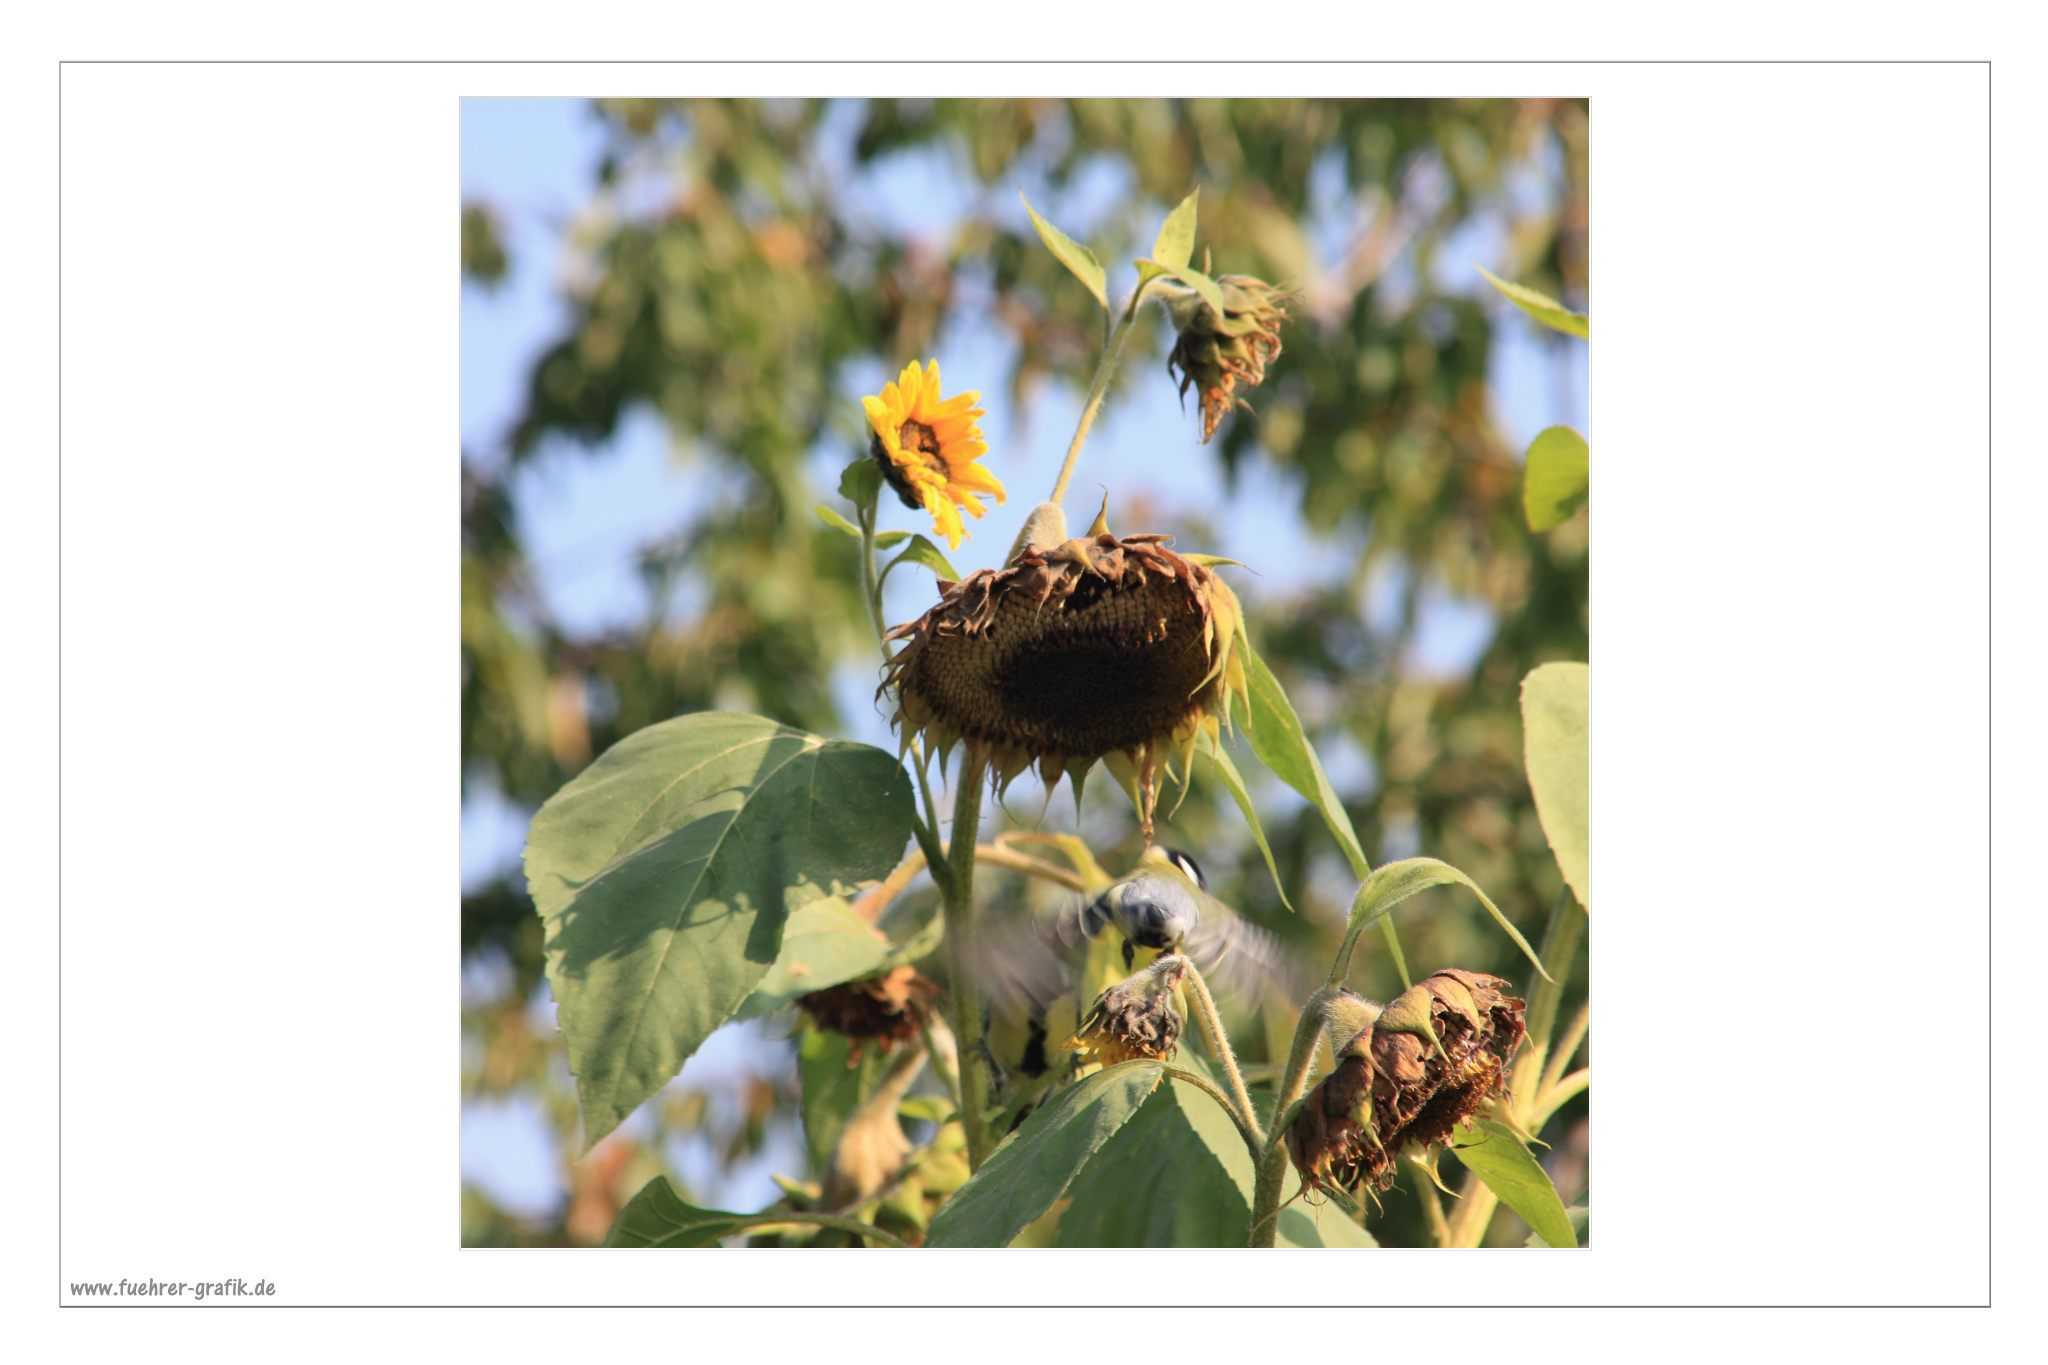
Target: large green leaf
pixel 1541 307
pixel 1554 736
pixel 1076 258
pixel 666 871
pixel 1392 883
pixel 1033 1168
pixel 1491 1151
pixel 1553 477
pixel 1161 1180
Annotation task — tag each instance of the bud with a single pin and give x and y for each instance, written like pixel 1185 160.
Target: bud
pixel 1134 1018
pixel 886 1010
pixel 1425 1064
pixel 1213 354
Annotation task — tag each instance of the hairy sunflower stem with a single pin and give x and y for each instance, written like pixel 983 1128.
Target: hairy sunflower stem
pixel 1203 1006
pixel 1098 389
pixel 1272 1172
pixel 1433 1211
pixel 968 1025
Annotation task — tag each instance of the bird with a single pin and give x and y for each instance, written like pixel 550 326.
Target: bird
pixel 1042 972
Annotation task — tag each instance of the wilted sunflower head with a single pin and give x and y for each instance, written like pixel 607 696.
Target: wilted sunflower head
pixel 927 447
pixel 1427 1062
pixel 1212 354
pixel 885 1010
pixel 1085 648
pixel 1134 1018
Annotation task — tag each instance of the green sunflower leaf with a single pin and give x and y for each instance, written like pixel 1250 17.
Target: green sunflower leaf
pixel 1175 245
pixel 1233 782
pixel 1391 883
pixel 1554 749
pixel 860 481
pixel 665 874
pixel 1029 1172
pixel 1541 307
pixel 658 1217
pixel 922 551
pixel 837 522
pixel 1553 477
pixel 1076 258
pixel 1491 1151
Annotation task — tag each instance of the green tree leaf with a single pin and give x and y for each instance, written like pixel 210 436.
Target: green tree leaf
pixel 1392 883
pixel 1541 307
pixel 1175 245
pixel 666 871
pixel 1553 477
pixel 1491 1151
pixel 1233 782
pixel 1554 737
pixel 837 522
pixel 884 539
pixel 860 481
pixel 1035 1165
pixel 922 551
pixel 658 1217
pixel 1076 258
pixel 1577 1213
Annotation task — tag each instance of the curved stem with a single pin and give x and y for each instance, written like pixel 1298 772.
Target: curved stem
pixel 1272 1170
pixel 1203 1006
pixel 1098 389
pixel 969 1031
pixel 1561 1055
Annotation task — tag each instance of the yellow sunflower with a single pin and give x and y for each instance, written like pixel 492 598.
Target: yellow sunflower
pixel 927 447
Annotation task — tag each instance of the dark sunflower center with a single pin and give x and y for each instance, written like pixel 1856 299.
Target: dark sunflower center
pixel 919 437
pixel 1103 678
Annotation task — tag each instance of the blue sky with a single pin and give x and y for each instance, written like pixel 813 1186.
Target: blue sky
pixel 584 512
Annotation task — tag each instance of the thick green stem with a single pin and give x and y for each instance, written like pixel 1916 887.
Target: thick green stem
pixel 1098 389
pixel 1272 1172
pixel 968 1023
pixel 1203 1006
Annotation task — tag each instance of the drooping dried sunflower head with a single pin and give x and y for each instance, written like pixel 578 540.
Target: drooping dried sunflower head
pixel 1080 649
pixel 1213 354
pixel 1426 1063
pixel 1134 1018
pixel 884 1010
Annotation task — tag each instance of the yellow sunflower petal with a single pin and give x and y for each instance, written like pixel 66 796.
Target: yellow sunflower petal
pixel 978 479
pixel 945 517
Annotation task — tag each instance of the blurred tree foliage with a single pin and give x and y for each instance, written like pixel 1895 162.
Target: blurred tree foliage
pixel 726 287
